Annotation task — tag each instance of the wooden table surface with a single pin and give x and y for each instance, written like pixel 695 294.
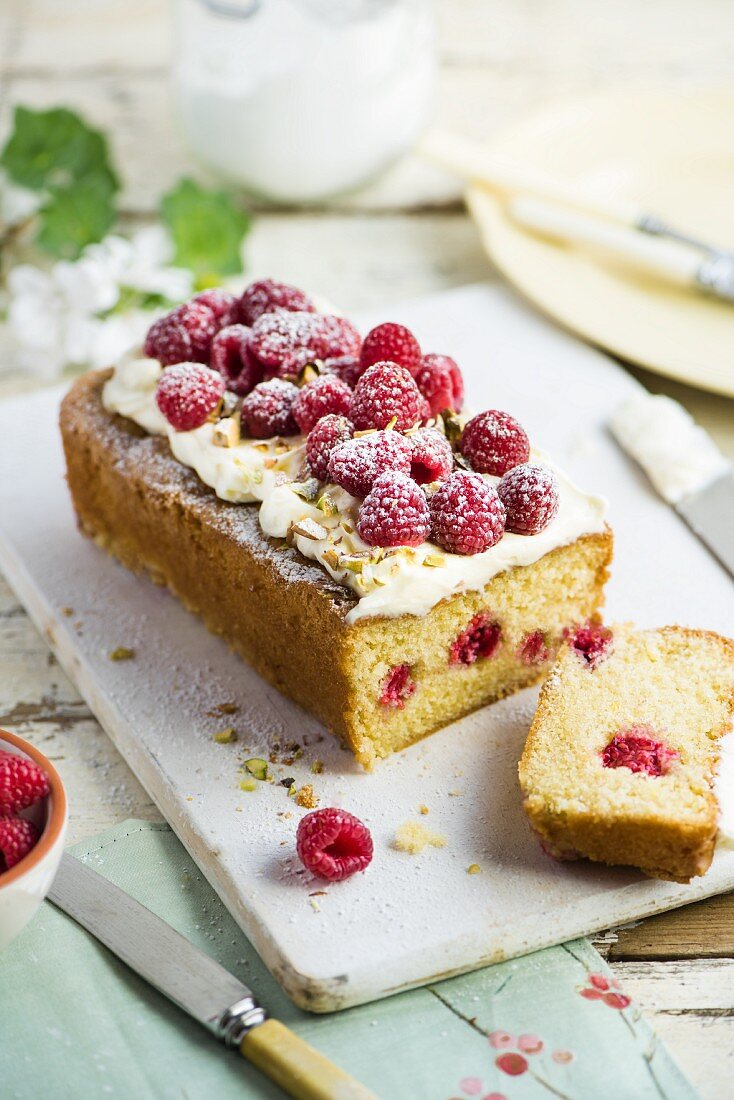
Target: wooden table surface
pixel 403 237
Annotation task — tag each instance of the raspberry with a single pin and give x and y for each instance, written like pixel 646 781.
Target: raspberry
pixel 391 343
pixel 267 295
pixel 432 458
pixel 397 686
pixel 385 391
pixel 333 843
pixel 494 442
pixel 635 749
pixel 533 650
pixel 325 435
pixel 357 463
pixel 284 342
pixel 224 306
pixel 22 783
pixel 17 838
pixel 326 394
pixel 230 355
pixel 268 409
pixel 346 367
pixel 188 394
pixel 530 496
pixel 467 516
pixel 394 512
pixel 439 380
pixel 480 639
pixel 183 336
pixel 592 642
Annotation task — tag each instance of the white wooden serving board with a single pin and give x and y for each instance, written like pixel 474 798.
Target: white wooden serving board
pixel 409 919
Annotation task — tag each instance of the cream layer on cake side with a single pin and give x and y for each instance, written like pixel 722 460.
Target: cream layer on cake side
pixel 393 582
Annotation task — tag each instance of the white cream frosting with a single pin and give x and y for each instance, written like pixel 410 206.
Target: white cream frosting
pixel 243 474
pixel 677 455
pixel 724 789
pixel 398 581
pixel 410 581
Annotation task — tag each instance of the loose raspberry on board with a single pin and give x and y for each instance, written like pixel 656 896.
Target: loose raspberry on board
pixel 268 409
pixel 432 458
pixel 17 838
pixel 326 434
pixel 354 465
pixel 188 394
pixel 267 295
pixel 467 516
pixel 637 749
pixel 391 343
pixel 494 442
pixel 333 844
pixel 530 495
pixel 183 336
pixel 386 392
pixel 441 383
pixel 231 356
pixel 22 783
pixel 326 394
pixel 394 512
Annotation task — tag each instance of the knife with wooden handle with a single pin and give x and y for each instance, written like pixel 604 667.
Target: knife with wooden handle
pixel 198 985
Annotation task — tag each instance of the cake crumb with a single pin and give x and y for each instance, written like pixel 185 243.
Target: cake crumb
pixel 306 797
pixel 314 905
pixel 455 793
pixel 423 809
pixel 122 653
pixel 67 612
pixel 222 708
pixel 226 736
pixel 473 869
pixel 248 785
pixel 412 837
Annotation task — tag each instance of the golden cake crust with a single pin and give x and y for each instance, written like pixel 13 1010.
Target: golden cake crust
pixel 286 615
pixel 680 679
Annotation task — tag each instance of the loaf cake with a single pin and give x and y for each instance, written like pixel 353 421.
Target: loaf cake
pixel 321 503
pixel 628 760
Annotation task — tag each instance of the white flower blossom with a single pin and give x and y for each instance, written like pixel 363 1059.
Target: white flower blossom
pixel 61 317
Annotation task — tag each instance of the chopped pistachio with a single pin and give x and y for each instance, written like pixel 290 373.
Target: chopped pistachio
pixel 227 432
pixel 317 767
pixel 331 558
pixel 67 611
pixel 348 527
pixel 391 423
pixel 308 373
pixel 287 782
pixel 473 869
pixel 223 708
pixel 364 431
pixel 326 505
pixel 307 490
pixel 248 785
pixel 230 403
pixel 353 564
pixel 257 767
pixel 451 425
pixel 122 653
pixel 309 529
pixel 434 561
pixel 225 737
pixel 270 463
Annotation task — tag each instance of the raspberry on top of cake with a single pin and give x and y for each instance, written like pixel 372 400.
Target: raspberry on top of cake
pixel 626 759
pixel 459 553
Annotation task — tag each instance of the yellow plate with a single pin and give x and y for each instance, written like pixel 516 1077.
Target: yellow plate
pixel 672 151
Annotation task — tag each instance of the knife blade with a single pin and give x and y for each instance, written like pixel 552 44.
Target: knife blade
pixel 197 984
pixel 710 515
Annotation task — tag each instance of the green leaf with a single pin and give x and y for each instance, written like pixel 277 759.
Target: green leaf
pixel 54 149
pixel 207 228
pixel 76 216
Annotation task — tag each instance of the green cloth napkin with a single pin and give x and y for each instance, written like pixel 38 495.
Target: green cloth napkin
pixel 75 1023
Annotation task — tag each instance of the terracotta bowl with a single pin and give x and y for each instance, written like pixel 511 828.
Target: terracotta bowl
pixel 23 888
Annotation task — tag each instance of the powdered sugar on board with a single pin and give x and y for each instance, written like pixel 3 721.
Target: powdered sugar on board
pixel 408 918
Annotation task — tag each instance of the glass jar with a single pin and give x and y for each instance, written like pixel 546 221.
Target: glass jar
pixel 299 100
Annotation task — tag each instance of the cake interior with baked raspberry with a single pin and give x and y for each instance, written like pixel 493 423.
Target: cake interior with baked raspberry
pixel 311 492
pixel 629 757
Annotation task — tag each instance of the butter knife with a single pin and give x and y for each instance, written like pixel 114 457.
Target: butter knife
pixel 684 465
pixel 198 985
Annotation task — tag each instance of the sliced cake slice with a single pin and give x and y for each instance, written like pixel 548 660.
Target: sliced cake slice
pixel 621 762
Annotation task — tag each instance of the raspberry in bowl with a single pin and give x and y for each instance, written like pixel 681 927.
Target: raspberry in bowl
pixel 33 818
